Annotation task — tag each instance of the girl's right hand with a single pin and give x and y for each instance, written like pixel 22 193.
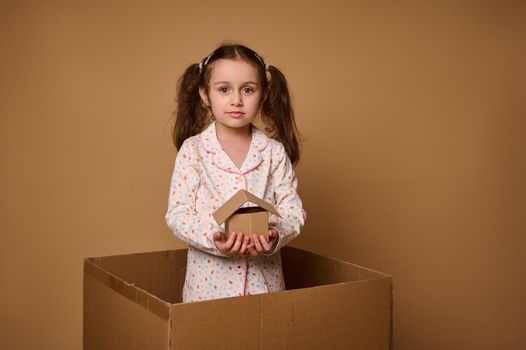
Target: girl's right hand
pixel 236 243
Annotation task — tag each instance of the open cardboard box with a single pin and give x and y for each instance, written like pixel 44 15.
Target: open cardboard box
pixel 134 302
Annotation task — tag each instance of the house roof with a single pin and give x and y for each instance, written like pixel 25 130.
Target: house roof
pixel 236 201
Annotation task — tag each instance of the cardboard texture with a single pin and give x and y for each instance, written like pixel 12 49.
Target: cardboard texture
pixel 134 302
pixel 248 219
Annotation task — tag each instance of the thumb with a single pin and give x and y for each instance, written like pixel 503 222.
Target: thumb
pixel 218 236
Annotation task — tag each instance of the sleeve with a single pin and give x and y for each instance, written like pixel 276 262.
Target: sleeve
pixel 287 201
pixel 195 229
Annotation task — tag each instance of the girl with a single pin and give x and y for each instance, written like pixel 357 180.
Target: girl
pixel 221 152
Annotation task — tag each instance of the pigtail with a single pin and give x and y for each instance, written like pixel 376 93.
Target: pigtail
pixel 191 114
pixel 278 114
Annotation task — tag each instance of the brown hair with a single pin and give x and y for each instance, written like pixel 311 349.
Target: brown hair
pixel 276 111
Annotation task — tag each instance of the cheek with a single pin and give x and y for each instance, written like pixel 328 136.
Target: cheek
pixel 257 103
pixel 215 100
pixel 255 100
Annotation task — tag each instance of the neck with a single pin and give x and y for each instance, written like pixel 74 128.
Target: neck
pixel 230 134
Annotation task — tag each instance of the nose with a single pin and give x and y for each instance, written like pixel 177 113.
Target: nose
pixel 236 99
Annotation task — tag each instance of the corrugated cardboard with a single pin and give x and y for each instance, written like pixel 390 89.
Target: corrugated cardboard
pixel 248 219
pixel 134 302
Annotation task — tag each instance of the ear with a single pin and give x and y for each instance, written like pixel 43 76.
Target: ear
pixel 204 98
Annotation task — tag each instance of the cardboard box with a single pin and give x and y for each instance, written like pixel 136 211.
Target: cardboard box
pixel 134 302
pixel 248 219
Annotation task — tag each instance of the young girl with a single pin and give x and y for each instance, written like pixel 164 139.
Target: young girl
pixel 221 152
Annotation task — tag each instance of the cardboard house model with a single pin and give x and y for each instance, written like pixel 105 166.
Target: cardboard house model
pixel 247 219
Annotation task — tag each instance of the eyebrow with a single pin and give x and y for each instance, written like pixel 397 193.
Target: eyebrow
pixel 228 82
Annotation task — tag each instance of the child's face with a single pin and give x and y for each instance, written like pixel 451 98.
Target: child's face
pixel 234 87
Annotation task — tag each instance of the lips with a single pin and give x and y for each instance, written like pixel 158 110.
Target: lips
pixel 236 114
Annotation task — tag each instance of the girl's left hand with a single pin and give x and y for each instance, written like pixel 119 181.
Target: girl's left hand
pixel 261 245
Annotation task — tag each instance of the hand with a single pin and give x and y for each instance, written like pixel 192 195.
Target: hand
pixel 261 245
pixel 236 243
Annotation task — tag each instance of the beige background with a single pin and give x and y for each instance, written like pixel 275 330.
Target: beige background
pixel 413 121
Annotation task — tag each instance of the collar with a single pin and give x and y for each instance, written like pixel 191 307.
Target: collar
pixel 221 160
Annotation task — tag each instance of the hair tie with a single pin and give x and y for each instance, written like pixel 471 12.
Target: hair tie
pixel 201 64
pixel 267 67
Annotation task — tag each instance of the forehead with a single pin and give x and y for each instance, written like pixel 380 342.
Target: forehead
pixel 235 71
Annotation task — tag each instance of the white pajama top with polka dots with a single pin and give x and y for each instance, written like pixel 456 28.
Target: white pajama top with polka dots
pixel 204 178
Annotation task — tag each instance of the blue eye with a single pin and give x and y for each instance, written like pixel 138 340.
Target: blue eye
pixel 251 90
pixel 222 89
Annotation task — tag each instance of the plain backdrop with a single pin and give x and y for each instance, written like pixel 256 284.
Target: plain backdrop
pixel 413 121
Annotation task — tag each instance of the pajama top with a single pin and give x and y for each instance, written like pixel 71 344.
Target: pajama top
pixel 204 178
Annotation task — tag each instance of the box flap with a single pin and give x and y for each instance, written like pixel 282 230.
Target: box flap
pixel 114 319
pixel 129 290
pixel 304 269
pixel 160 273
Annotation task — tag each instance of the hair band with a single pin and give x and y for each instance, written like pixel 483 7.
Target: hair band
pixel 201 64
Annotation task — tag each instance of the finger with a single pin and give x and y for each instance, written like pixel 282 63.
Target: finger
pixel 257 243
pixel 235 238
pixel 244 245
pixel 219 241
pixel 230 242
pixel 237 244
pixel 264 242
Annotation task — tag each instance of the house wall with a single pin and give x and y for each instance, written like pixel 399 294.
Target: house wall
pixel 412 118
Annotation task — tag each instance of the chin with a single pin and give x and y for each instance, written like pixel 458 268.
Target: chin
pixel 235 123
